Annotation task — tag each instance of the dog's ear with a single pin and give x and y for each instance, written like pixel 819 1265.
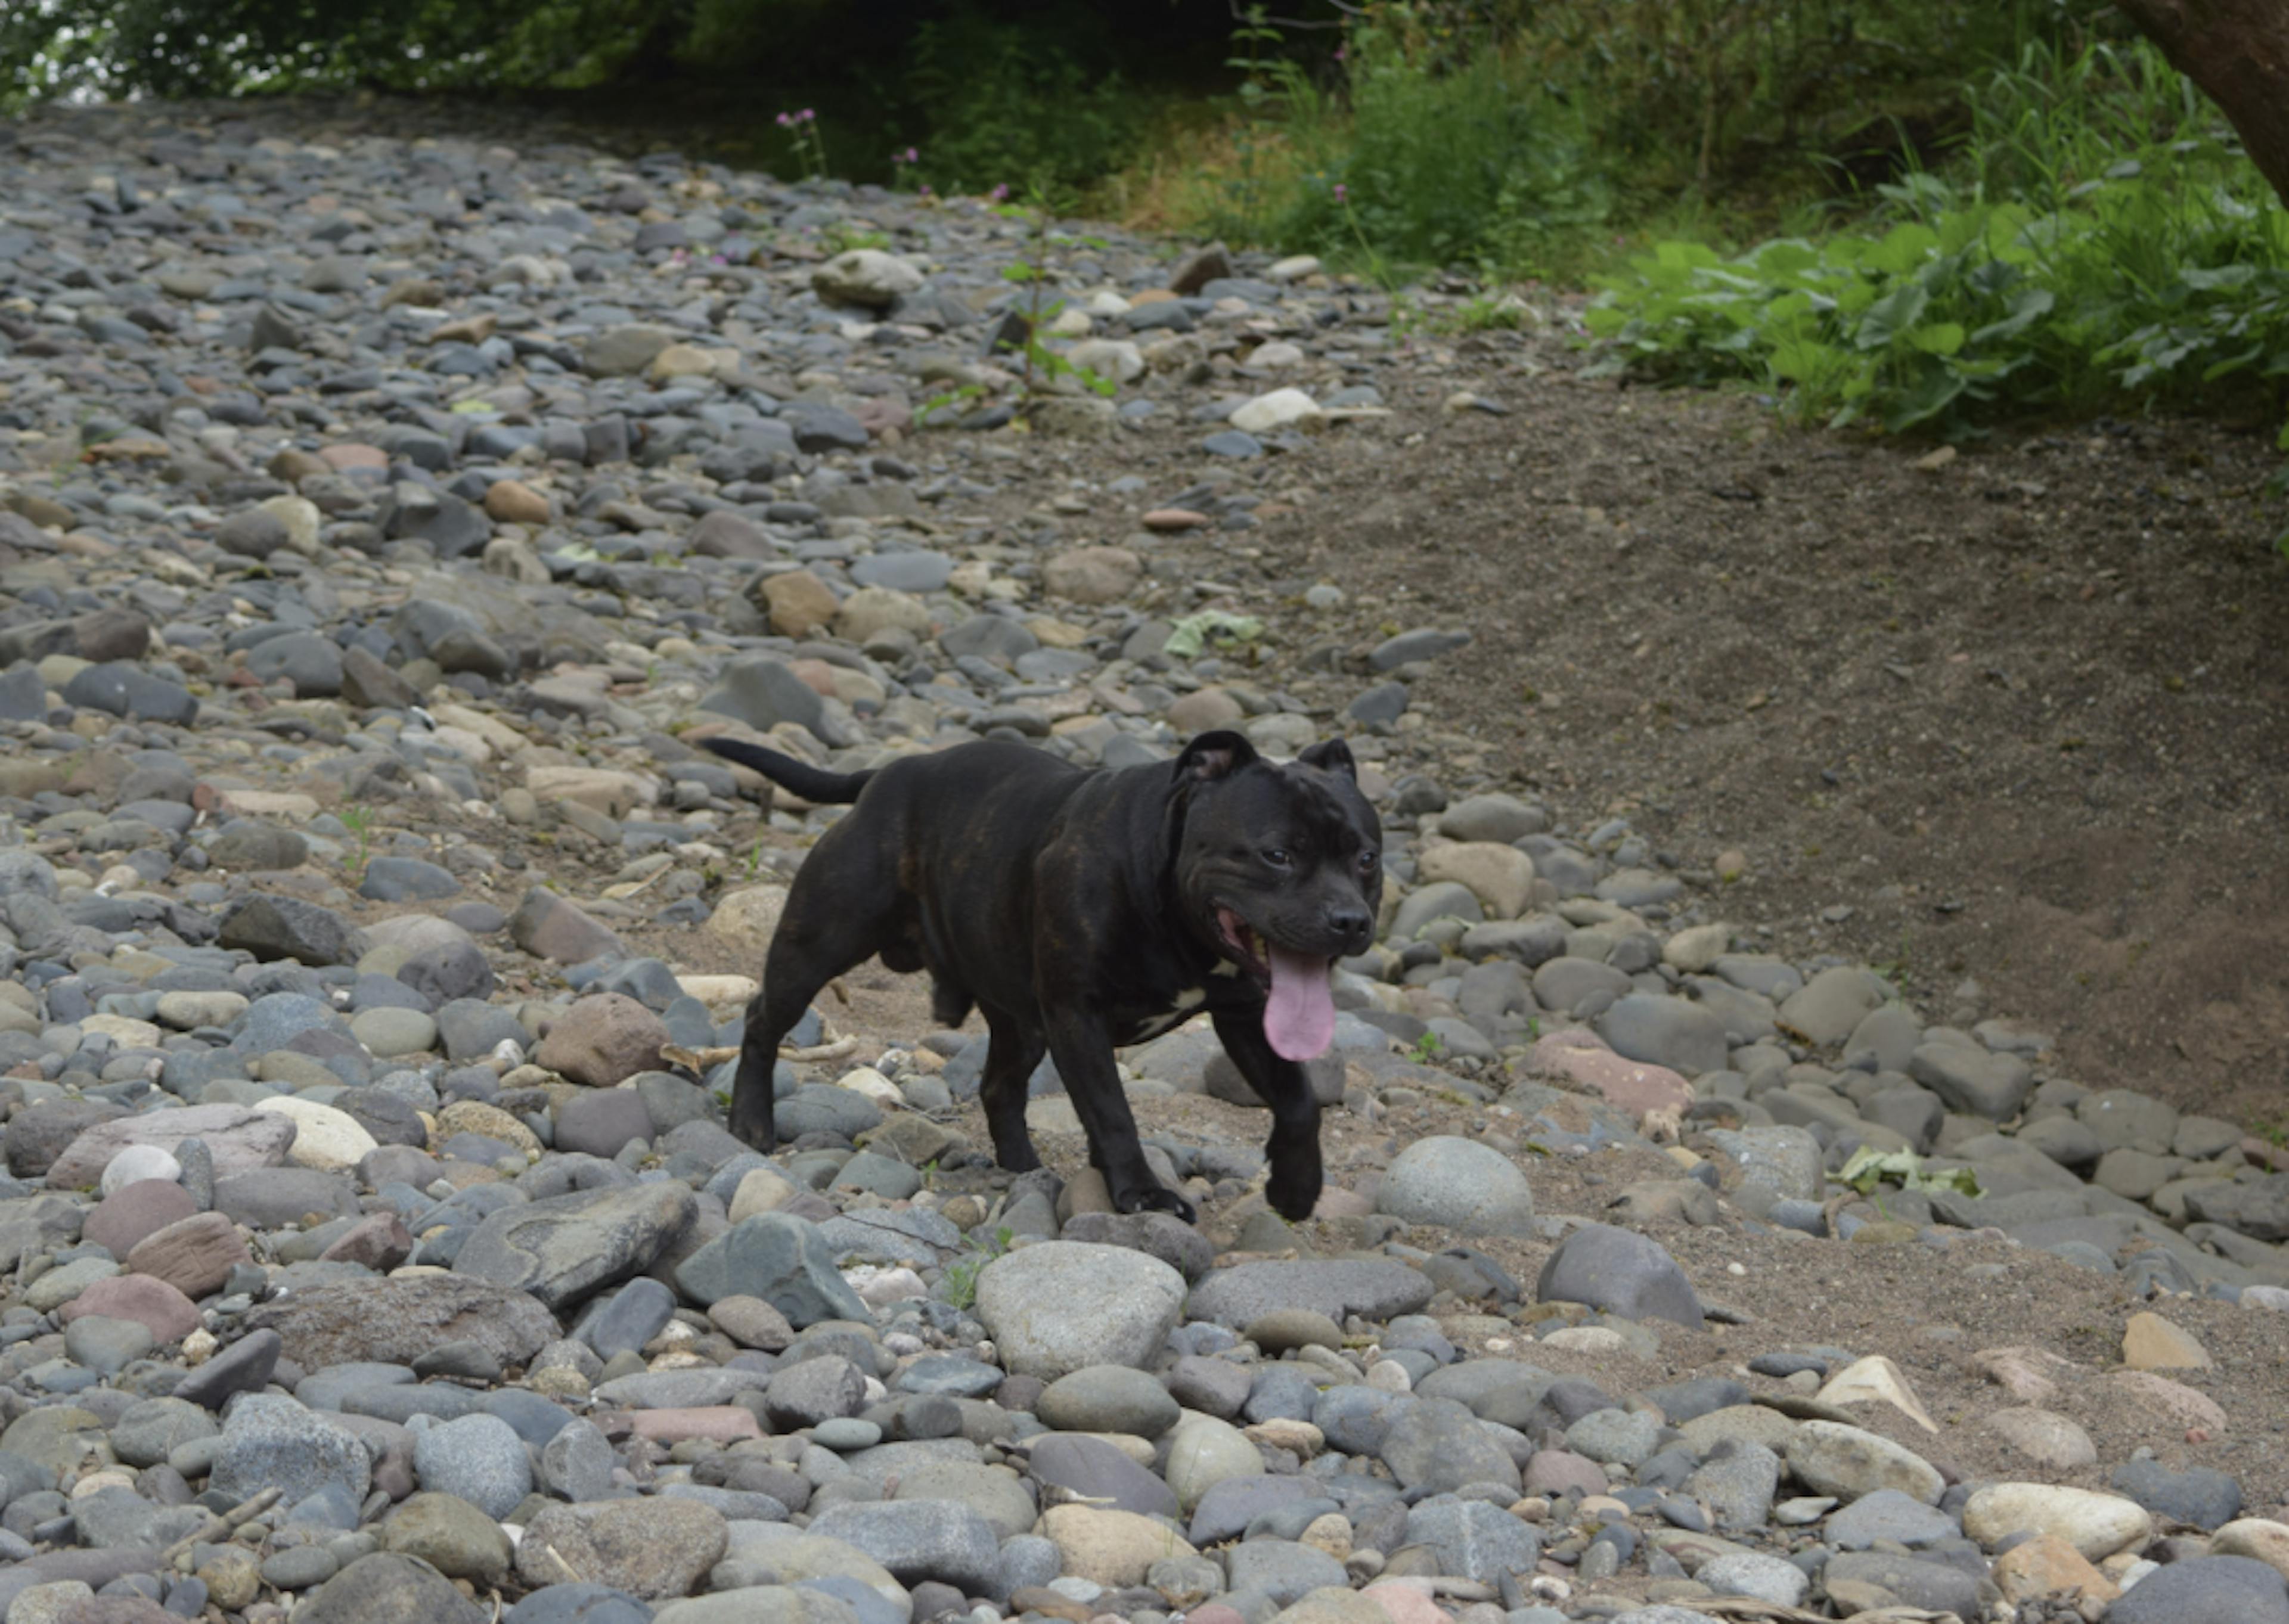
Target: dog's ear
pixel 1334 756
pixel 1215 755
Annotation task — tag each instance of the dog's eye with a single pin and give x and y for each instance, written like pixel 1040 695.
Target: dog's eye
pixel 1276 856
pixel 1367 862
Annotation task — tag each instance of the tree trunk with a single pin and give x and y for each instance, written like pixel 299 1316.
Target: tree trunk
pixel 2238 52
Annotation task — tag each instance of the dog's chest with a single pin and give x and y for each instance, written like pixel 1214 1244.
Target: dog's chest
pixel 1188 1003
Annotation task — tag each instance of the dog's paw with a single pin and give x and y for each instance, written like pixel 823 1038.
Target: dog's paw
pixel 755 1129
pixel 1156 1198
pixel 1293 1197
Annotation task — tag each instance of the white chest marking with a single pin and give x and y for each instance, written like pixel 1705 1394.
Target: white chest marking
pixel 1224 966
pixel 1192 998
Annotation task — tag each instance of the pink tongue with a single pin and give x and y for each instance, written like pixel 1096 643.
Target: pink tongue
pixel 1299 1018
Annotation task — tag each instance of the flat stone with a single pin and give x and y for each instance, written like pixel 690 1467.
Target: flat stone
pixel 652 1550
pixel 1061 1306
pixel 2097 1525
pixel 1619 1271
pixel 566 1248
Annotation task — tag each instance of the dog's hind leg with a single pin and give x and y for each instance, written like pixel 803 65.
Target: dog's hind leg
pixel 818 938
pixel 1014 1048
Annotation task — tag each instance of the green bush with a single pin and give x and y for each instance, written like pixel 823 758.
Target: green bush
pixel 1009 105
pixel 1431 152
pixel 2109 246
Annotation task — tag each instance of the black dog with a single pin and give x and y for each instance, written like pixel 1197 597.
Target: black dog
pixel 1082 911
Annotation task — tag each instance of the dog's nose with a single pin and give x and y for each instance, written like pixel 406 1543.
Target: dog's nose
pixel 1351 924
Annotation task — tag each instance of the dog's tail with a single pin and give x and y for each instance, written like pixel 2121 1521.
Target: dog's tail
pixel 823 788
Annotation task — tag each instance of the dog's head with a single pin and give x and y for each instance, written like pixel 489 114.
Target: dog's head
pixel 1280 867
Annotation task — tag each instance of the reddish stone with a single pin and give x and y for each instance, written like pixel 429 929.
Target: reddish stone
pixel 1173 519
pixel 348 456
pixel 153 1303
pixel 602 1039
pixel 1401 1603
pixel 883 414
pixel 817 675
pixel 1336 1202
pixel 1624 1084
pixel 720 1423
pixel 125 1217
pixel 195 1254
pixel 117 1610
pixel 379 1242
pixel 1555 1471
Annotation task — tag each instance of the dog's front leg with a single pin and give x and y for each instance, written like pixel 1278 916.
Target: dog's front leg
pixel 1081 1045
pixel 1294 1147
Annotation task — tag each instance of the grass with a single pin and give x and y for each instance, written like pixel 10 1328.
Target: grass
pixel 958 1286
pixel 359 821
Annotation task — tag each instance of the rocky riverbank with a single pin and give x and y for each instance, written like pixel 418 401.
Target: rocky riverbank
pixel 379 513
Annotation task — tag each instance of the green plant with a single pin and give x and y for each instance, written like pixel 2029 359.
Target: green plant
pixel 1435 147
pixel 841 237
pixel 359 821
pixel 1488 312
pixel 1040 365
pixel 1004 99
pixel 2034 282
pixel 1428 1048
pixel 803 138
pixel 1870 1167
pixel 1268 84
pixel 959 1285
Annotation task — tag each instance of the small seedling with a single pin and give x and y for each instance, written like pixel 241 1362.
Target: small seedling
pixel 1428 1048
pixel 1041 366
pixel 962 1274
pixel 359 822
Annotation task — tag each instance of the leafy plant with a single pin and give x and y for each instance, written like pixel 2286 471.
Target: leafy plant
pixel 2156 277
pixel 841 237
pixel 1042 364
pixel 1187 637
pixel 1870 1167
pixel 1428 1048
pixel 1436 147
pixel 359 821
pixel 960 1284
pixel 1002 100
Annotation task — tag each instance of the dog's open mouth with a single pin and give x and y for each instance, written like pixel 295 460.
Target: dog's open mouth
pixel 1299 1013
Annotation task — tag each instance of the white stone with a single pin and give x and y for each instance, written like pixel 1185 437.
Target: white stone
pixel 1057 1306
pixel 302 520
pixel 1875 1380
pixel 1204 1451
pixel 873 1084
pixel 865 276
pixel 1114 358
pixel 137 1163
pixel 1276 409
pixel 126 1032
pixel 2095 1525
pixel 324 1137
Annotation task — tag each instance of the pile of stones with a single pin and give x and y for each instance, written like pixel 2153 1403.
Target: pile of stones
pixel 378 510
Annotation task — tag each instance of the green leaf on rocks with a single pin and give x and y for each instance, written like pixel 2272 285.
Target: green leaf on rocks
pixel 1870 1167
pixel 1194 632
